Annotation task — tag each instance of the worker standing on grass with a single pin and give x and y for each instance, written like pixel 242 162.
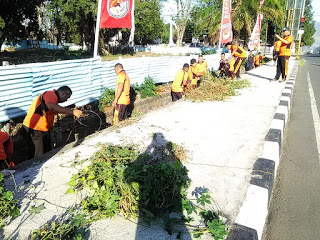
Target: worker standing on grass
pixel 40 119
pixel 6 151
pixel 122 95
pixel 178 83
pixel 202 68
pixel 239 54
pixel 284 54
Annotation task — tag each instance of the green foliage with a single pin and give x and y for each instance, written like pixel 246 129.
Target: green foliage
pixel 13 16
pixel 147 88
pixel 70 227
pixel 8 205
pixel 148 23
pixel 122 180
pixel 36 209
pixel 72 19
pixel 208 51
pixel 309 25
pixel 106 98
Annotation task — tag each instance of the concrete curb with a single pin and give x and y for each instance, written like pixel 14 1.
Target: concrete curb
pixel 250 221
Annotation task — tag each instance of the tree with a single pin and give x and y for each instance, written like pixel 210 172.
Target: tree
pixel 183 13
pixel 148 23
pixel 207 15
pixel 309 25
pixel 18 18
pixel 74 20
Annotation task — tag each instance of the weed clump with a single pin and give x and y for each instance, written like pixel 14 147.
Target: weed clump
pixel 216 89
pixel 147 88
pixel 106 98
pixel 8 205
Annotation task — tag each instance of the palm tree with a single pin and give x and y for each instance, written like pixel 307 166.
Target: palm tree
pixel 207 15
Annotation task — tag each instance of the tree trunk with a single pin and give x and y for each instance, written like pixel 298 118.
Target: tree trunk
pixel 265 46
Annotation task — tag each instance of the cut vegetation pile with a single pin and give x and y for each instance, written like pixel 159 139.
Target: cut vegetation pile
pixel 149 185
pixel 216 89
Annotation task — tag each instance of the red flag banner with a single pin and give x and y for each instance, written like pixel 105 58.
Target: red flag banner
pixel 226 27
pixel 116 14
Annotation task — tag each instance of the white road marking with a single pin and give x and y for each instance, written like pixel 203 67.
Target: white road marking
pixel 315 114
pixel 304 60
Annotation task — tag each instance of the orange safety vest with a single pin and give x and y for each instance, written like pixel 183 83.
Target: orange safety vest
pixel 39 117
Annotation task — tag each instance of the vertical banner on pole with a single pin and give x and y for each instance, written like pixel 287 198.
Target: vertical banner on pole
pixel 255 36
pixel 226 27
pixel 116 14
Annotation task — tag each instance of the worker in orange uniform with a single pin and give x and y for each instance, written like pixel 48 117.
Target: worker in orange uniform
pixel 40 119
pixel 193 73
pixel 6 151
pixel 239 54
pixel 257 59
pixel 277 45
pixel 121 100
pixel 284 54
pixel 179 82
pixel 202 68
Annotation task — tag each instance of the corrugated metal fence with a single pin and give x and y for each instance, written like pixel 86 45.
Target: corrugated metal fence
pixel 20 84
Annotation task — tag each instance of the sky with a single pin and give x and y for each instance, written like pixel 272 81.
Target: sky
pixel 316 9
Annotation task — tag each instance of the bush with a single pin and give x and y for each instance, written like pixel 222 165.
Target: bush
pixel 147 88
pixel 106 98
pixel 208 51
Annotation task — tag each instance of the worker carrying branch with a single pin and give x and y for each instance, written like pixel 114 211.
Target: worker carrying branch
pixel 238 54
pixel 40 119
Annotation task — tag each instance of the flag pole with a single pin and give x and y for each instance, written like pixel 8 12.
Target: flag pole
pixel 96 37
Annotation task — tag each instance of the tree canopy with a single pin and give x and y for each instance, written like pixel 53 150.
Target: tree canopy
pixel 309 25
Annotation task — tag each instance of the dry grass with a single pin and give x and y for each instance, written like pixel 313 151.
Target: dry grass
pixel 215 89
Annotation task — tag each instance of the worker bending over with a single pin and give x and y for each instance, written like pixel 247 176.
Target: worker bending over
pixel 122 95
pixel 238 54
pixel 193 73
pixel 257 59
pixel 40 119
pixel 179 82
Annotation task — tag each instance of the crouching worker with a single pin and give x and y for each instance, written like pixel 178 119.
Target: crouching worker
pixel 40 119
pixel 179 82
pixel 192 73
pixel 122 95
pixel 6 151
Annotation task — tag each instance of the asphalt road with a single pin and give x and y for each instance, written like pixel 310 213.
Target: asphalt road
pixel 294 211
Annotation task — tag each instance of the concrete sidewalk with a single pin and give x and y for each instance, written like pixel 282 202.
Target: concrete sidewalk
pixel 223 139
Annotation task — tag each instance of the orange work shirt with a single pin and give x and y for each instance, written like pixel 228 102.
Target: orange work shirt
pixel 277 46
pixel 257 59
pixel 177 85
pixel 285 49
pixel 6 146
pixel 192 74
pixel 124 98
pixel 39 117
pixel 240 52
pixel 201 68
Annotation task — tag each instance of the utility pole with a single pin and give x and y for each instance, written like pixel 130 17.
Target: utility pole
pixel 300 32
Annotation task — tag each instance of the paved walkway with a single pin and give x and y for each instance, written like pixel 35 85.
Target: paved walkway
pixel 223 139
